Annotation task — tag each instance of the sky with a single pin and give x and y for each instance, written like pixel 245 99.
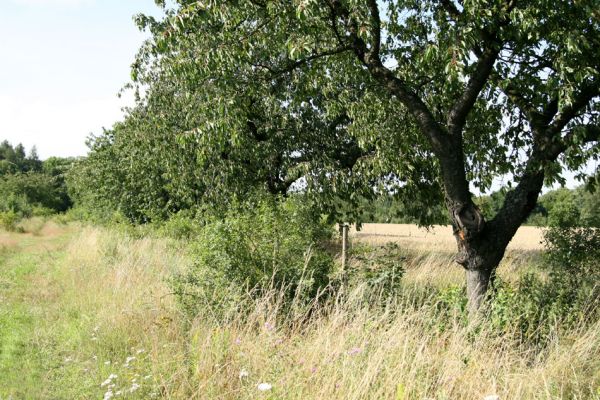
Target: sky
pixel 62 64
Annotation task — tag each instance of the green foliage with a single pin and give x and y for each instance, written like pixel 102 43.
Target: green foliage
pixel 258 245
pixel 30 187
pixel 567 296
pixel 9 220
pixel 180 226
pixel 14 160
pixel 35 189
pixel 380 268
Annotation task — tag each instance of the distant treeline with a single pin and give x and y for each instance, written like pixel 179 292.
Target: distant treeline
pixel 29 186
pixel 560 207
pixel 113 179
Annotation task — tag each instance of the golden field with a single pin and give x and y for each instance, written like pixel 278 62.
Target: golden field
pixel 437 237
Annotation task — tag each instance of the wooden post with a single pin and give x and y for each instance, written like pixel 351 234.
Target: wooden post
pixel 344 245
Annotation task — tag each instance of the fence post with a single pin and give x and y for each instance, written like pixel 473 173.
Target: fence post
pixel 344 245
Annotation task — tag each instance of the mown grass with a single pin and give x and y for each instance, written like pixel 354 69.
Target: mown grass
pixel 82 304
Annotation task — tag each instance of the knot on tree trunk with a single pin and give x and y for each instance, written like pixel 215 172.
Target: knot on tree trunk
pixel 469 221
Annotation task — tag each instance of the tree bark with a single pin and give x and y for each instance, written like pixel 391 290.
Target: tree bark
pixel 478 281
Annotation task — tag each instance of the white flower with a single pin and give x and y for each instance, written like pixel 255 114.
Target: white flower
pixel 106 362
pixel 106 382
pixel 112 376
pixel 134 387
pixel 492 397
pixel 244 374
pixel 68 359
pixel 140 351
pixel 263 387
pixel 148 377
pixel 129 359
pixel 108 395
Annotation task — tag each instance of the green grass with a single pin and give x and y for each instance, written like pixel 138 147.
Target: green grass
pixel 23 367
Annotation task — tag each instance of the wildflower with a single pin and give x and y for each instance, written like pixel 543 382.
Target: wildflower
pixel 313 370
pixel 147 377
pixel 94 358
pixel 108 395
pixel 106 362
pixel 128 360
pixel 263 387
pixel 68 359
pixel 244 374
pixel 134 387
pixel 106 382
pixel 355 350
pixel 237 341
pixel 140 351
pixel 492 397
pixel 269 326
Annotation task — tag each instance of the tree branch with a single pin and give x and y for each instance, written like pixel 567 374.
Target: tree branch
pixel 462 107
pixel 587 93
pixel 451 9
pixel 415 105
pixel 375 30
pixel 298 63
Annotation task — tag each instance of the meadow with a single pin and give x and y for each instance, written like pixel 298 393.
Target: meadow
pixel 87 312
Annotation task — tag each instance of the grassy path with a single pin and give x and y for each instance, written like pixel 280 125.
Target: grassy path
pixel 28 289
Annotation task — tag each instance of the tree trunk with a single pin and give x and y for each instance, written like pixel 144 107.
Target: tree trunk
pixel 478 281
pixel 482 244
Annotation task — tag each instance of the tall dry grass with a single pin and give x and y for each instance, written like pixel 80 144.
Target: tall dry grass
pixel 351 347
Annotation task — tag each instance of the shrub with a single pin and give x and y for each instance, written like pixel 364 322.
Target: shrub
pixel 180 226
pixel 380 268
pixel 256 246
pixel 9 220
pixel 569 294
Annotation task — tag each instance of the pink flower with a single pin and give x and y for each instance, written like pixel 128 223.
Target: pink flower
pixel 354 351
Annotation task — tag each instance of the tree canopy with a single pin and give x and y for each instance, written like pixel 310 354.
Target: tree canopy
pixel 348 99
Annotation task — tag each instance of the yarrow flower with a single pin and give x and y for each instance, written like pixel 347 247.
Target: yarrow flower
pixel 263 387
pixel 134 387
pixel 244 374
pixel 109 380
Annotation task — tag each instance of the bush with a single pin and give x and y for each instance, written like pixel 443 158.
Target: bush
pixel 180 226
pixel 568 295
pixel 9 220
pixel 257 246
pixel 380 268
